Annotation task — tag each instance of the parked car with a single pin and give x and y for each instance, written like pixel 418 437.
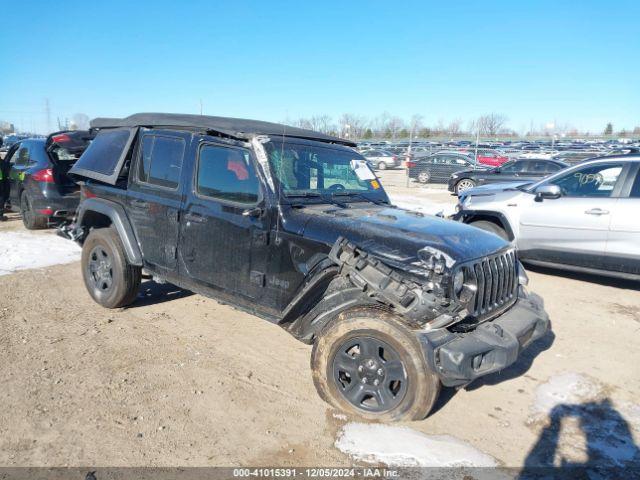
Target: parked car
pixel 296 229
pixel 573 157
pixel 513 171
pixel 39 185
pixel 381 159
pixel 438 167
pixel 486 156
pixel 583 218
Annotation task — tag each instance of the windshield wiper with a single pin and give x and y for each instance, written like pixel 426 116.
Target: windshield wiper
pixel 303 195
pixel 324 198
pixel 360 195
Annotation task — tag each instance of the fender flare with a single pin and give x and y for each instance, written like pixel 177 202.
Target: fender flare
pixel 119 220
pixel 467 216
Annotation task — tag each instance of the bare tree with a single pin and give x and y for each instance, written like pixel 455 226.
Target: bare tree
pixel 394 126
pixel 352 126
pixel 454 127
pixel 490 124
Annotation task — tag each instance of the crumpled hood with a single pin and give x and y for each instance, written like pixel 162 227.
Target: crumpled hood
pixel 395 235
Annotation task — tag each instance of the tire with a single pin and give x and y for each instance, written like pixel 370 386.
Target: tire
pixel 30 219
pixel 108 276
pixel 491 227
pixel 410 398
pixel 382 166
pixel 424 177
pixel 464 184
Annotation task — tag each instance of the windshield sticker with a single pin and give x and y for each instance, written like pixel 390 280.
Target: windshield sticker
pixel 585 178
pixel 362 170
pixel 375 184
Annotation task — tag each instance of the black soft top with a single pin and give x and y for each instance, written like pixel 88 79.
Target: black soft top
pixel 232 127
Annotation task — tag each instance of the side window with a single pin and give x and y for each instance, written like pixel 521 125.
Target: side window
pixel 161 160
pixel 515 167
pixel 227 174
pixel 21 157
pixel 592 181
pixel 538 167
pixel 553 167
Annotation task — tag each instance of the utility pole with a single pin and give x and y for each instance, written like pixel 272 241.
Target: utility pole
pixel 200 106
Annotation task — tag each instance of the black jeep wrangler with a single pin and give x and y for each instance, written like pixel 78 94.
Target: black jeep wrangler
pixel 293 226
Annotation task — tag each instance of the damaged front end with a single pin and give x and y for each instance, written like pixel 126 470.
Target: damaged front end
pixel 433 292
pixel 472 318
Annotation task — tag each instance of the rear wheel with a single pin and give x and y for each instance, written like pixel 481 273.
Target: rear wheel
pixel 382 166
pixel 491 227
pixel 424 177
pixel 31 219
pixel 368 363
pixel 110 279
pixel 464 184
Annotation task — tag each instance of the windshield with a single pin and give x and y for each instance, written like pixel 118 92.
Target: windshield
pixel 302 169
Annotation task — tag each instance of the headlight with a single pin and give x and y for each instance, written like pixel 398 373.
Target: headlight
pixel 458 282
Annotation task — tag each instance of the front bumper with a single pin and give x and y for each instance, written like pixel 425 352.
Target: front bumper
pixel 460 358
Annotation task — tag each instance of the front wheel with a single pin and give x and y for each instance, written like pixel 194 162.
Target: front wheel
pixel 464 184
pixel 368 363
pixel 109 277
pixel 382 166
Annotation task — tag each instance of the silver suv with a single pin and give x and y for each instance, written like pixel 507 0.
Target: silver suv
pixel 584 218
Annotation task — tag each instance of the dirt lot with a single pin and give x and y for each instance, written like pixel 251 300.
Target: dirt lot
pixel 178 379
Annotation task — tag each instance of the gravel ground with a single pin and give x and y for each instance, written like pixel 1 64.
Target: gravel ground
pixel 181 380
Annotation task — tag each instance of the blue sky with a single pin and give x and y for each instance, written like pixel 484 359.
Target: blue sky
pixel 572 62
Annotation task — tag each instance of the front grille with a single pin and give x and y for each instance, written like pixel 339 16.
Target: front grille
pixel 496 278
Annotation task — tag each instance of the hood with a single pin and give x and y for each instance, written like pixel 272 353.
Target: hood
pixel 395 235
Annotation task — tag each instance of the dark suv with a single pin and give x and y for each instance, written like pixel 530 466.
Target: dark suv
pixel 293 226
pixel 35 172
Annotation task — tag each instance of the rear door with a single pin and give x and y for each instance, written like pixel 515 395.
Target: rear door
pixel 623 244
pixel 18 165
pixel 155 193
pixel 224 234
pixel 573 229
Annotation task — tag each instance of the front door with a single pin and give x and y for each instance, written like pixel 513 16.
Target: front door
pixel 223 242
pixel 572 229
pixel 154 196
pixel 19 163
pixel 623 245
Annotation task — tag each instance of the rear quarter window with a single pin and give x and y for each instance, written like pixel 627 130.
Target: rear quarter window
pixel 105 155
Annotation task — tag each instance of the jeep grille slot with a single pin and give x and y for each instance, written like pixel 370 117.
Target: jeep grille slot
pixel 497 282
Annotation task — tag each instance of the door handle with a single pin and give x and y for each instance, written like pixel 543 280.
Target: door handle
pixel 139 203
pixel 597 211
pixel 194 217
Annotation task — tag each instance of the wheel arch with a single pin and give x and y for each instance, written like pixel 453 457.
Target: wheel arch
pixel 100 213
pixel 494 217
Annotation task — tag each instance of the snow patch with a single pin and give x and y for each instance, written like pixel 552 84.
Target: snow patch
pixel 404 447
pixel 22 251
pixel 573 407
pixel 422 205
pixel 568 388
